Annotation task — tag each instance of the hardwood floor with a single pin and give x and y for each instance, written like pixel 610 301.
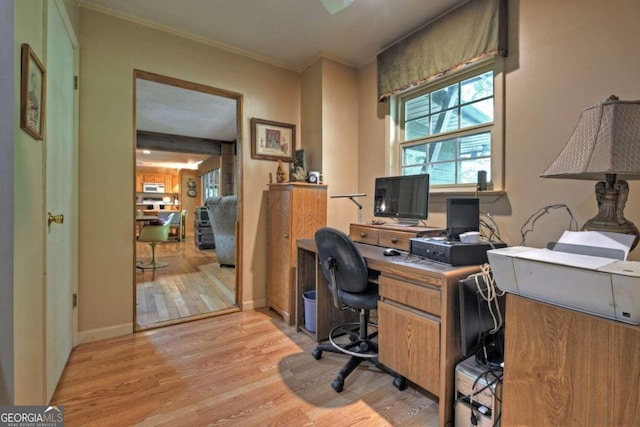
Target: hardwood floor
pixel 241 369
pixel 192 285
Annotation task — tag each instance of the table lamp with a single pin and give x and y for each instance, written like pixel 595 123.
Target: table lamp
pixel 604 145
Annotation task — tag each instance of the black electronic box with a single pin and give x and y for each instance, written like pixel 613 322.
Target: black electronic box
pixel 452 253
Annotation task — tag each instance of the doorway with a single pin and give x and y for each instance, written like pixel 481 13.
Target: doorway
pixel 187 149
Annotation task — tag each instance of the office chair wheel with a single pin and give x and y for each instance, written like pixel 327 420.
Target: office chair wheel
pixel 400 383
pixel 337 385
pixel 317 354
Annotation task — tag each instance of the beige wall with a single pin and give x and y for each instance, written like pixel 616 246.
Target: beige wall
pixel 340 141
pixel 330 133
pixel 563 57
pixel 110 50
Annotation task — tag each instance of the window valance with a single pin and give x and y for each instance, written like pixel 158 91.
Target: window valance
pixel 472 32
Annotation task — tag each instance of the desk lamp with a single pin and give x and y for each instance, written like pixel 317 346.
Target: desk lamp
pixel 352 198
pixel 605 144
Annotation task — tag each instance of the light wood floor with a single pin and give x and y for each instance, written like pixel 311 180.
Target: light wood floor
pixel 193 284
pixel 241 369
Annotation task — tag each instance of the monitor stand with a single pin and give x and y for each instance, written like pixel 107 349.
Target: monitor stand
pixel 407 222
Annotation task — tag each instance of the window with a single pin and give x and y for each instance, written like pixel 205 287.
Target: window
pixel 211 184
pixel 446 128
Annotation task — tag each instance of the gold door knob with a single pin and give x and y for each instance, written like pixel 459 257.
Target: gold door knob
pixel 58 219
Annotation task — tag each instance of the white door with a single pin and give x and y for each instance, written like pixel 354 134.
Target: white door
pixel 61 194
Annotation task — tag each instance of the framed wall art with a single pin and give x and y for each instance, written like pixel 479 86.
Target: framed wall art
pixel 272 140
pixel 32 93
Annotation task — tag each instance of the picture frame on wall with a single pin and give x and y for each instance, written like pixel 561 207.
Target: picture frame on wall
pixel 272 140
pixel 32 93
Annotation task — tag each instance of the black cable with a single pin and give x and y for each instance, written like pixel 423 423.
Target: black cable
pixel 538 214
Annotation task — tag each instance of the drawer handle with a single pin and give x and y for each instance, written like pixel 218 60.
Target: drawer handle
pixel 363 234
pixel 394 240
pixel 286 236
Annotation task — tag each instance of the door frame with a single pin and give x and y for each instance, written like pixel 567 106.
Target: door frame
pixel 198 87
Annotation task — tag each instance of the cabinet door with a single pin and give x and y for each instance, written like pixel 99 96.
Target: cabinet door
pixel 168 183
pixel 278 255
pixel 410 345
pixel 138 183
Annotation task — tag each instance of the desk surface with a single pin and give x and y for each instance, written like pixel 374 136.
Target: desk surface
pixel 404 263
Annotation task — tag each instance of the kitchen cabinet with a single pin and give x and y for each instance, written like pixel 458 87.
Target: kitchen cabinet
pixel 295 211
pixel 139 183
pixel 171 182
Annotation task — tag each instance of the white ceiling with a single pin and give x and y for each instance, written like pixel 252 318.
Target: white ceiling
pixel 287 33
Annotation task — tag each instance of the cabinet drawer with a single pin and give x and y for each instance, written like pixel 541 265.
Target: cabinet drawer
pixel 410 345
pixel 411 294
pixel 395 239
pixel 363 235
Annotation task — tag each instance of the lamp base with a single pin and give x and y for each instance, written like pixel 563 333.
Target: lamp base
pixel 612 198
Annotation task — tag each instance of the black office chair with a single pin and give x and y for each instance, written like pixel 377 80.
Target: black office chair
pixel 346 271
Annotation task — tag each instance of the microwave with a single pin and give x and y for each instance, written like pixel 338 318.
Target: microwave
pixel 152 187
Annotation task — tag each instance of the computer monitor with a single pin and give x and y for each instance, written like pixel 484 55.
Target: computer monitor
pixel 479 321
pixel 405 198
pixel 463 215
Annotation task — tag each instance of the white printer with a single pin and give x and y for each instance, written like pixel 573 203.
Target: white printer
pixel 573 274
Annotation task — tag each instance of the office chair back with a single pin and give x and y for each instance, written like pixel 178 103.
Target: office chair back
pixel 341 262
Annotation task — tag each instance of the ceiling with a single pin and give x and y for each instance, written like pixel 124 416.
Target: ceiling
pixel 286 33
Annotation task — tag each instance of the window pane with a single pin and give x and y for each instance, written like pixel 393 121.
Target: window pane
pixel 414 170
pixel 478 145
pixel 444 98
pixel 417 107
pixel 416 129
pixel 442 173
pixel 476 87
pixel 478 113
pixel 444 122
pixel 415 155
pixel 442 151
pixel 468 170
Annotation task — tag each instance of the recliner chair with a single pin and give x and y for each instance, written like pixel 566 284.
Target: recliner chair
pixel 346 271
pixel 154 234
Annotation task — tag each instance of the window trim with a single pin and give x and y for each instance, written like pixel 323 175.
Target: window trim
pixel 496 176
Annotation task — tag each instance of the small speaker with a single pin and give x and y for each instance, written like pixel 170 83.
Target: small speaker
pixel 482 180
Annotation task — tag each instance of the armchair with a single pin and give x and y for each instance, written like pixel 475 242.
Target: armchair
pixel 223 212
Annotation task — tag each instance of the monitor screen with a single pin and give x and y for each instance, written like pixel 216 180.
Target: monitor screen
pixel 402 197
pixel 478 319
pixel 463 215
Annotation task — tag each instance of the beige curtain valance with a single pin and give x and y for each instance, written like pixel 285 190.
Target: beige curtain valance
pixel 470 33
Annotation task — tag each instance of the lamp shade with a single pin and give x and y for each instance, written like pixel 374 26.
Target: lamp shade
pixel 606 140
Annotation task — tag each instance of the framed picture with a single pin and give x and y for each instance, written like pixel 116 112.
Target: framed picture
pixel 32 93
pixel 272 140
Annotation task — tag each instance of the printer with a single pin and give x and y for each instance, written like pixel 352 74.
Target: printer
pixel 585 272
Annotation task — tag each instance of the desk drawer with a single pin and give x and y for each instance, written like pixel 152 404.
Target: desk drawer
pixel 363 235
pixel 395 239
pixel 410 294
pixel 410 345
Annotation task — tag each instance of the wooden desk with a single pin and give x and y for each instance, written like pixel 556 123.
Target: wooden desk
pixel 418 325
pixel 567 368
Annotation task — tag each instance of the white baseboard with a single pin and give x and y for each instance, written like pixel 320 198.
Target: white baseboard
pixel 104 333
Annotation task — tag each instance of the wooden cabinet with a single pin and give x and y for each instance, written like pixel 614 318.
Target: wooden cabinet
pixel 563 367
pixel 390 236
pixel 295 211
